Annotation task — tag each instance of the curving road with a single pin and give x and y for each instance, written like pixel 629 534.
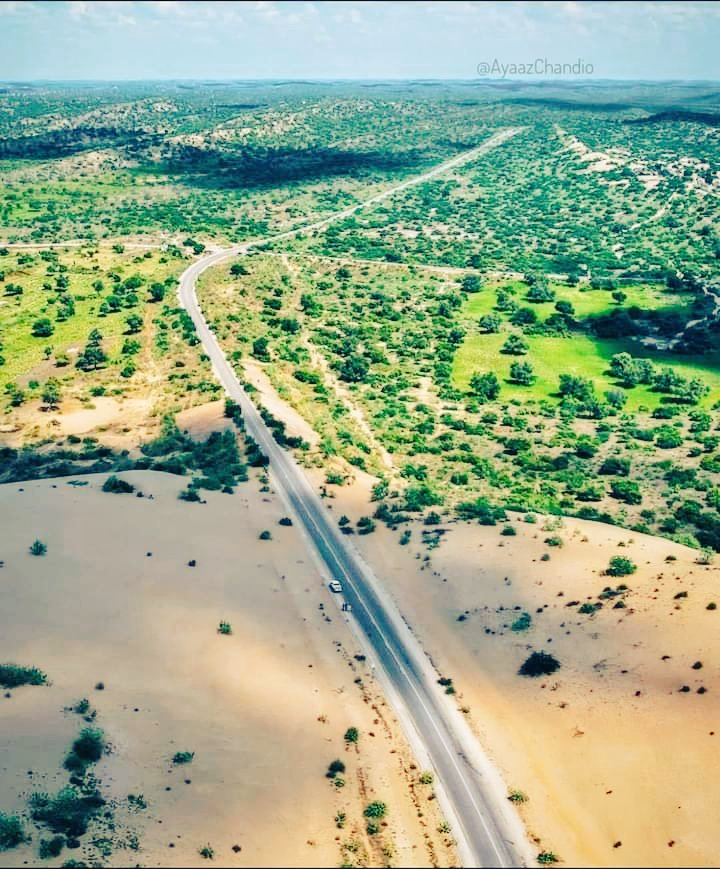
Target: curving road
pixel 487 831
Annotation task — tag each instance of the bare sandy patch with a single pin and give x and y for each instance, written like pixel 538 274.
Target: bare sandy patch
pixel 264 709
pixel 282 410
pixel 201 421
pixel 118 423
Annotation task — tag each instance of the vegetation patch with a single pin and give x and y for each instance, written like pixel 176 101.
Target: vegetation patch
pixel 539 664
pixel 13 676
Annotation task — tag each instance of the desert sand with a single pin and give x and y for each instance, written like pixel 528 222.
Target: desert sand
pixel 265 710
pixel 618 763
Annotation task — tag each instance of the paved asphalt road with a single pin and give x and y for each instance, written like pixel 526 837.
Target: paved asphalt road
pixel 486 830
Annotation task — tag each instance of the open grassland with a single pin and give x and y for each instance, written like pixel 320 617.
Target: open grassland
pixel 578 353
pixel 582 356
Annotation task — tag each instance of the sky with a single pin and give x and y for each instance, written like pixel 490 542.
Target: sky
pixel 387 39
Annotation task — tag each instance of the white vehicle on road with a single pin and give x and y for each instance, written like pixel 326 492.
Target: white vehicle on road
pixel 335 586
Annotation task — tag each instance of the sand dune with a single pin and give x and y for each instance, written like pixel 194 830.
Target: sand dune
pixel 618 762
pixel 264 710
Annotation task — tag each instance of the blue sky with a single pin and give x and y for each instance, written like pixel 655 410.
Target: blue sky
pixel 107 39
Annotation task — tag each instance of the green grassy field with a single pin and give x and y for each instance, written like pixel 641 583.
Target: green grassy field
pixel 580 355
pixel 587 302
pixel 22 351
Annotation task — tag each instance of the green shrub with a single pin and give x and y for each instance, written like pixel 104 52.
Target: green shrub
pixel 426 778
pixel 522 623
pixel 181 757
pixel 547 858
pixel 375 809
pixel 335 767
pixel 351 734
pixel 539 664
pixel 117 486
pixel 69 812
pixel 225 628
pixel 51 847
pixel 621 566
pixel 207 852
pixel 517 797
pixel 365 525
pixel 38 548
pixel 88 748
pixel 12 832
pixel 12 676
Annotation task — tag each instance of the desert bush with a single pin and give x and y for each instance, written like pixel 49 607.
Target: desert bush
pixel 621 566
pixel 51 847
pixel 37 547
pixel 539 664
pixel 521 623
pixel 182 757
pixel 12 832
pixel 13 676
pixel 69 812
pixel 335 767
pixel 117 486
pixel 375 809
pixel 88 748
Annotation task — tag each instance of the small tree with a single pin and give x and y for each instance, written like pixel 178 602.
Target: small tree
pixel 354 369
pixel 515 345
pixel 51 393
pixel 489 323
pixel 42 328
pixel 470 284
pixel 157 292
pixel 335 767
pixel 540 293
pixel 522 373
pixel 485 387
pixel 134 324
pixel 351 735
